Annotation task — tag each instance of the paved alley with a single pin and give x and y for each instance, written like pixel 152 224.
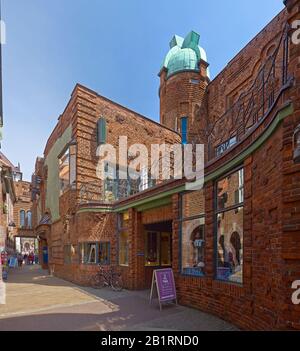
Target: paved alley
pixel 38 301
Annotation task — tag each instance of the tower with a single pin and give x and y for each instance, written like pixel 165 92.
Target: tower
pixel 184 76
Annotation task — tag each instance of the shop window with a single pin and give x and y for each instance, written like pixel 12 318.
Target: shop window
pixel 193 233
pixel 229 224
pixel 104 253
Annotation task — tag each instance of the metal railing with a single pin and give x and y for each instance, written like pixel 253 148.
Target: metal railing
pixel 254 104
pixel 111 190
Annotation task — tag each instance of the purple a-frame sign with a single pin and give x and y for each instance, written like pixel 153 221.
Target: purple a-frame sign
pixel 165 284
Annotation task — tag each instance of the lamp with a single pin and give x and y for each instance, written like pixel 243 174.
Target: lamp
pixel 296 144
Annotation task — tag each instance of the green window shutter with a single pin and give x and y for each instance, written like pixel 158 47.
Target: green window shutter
pixel 101 131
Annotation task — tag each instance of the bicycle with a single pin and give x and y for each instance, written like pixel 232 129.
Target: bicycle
pixel 109 278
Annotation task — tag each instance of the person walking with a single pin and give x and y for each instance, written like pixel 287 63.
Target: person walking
pixel 20 260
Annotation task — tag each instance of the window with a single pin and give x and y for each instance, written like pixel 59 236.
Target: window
pixel 29 219
pixel 67 168
pixel 229 224
pixel 104 253
pixel 193 233
pixel 183 128
pixel 95 253
pixel 101 131
pixel 22 219
pixel 88 253
pixel 123 248
pixel 64 171
pixel 123 221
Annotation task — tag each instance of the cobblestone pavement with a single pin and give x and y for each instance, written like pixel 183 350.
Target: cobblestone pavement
pixel 37 301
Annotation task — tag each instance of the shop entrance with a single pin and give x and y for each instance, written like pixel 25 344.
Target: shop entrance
pixel 158 248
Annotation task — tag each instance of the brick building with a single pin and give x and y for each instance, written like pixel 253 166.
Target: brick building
pixel 7 201
pixel 234 245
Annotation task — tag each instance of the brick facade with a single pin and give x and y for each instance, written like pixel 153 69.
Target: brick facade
pixel 263 148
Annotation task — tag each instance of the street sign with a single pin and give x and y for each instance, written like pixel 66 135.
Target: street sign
pixel 165 285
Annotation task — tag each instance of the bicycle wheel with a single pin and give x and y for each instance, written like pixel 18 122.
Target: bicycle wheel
pixel 97 281
pixel 116 282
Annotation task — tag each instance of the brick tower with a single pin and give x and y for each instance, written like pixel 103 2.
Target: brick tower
pixel 183 80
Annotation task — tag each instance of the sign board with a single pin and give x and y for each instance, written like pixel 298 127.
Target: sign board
pixel 165 285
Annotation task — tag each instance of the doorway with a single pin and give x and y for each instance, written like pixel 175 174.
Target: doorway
pixel 158 248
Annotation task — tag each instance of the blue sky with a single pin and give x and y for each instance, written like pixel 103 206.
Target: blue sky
pixel 114 47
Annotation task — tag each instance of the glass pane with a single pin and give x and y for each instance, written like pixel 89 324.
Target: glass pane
pixel 193 245
pixel 165 249
pixel 184 130
pixel 64 171
pixel 123 249
pixel 72 164
pixel 231 190
pixel 123 220
pixel 230 246
pixel 193 204
pixel 152 249
pixel 91 253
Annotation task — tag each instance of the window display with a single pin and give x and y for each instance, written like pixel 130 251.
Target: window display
pixel 193 233
pixel 229 218
pixel 193 245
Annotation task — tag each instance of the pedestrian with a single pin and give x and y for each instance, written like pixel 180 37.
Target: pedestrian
pixel 31 258
pixel 20 260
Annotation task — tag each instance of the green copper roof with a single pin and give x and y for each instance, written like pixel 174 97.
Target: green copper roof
pixel 184 54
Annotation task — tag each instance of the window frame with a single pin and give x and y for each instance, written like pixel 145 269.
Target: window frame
pixel 183 219
pixel 216 212
pixel 24 220
pixel 186 119
pixel 82 260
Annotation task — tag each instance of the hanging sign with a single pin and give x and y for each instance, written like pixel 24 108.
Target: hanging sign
pixel 165 285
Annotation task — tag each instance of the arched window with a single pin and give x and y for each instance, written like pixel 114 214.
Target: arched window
pixel 22 219
pixel 29 219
